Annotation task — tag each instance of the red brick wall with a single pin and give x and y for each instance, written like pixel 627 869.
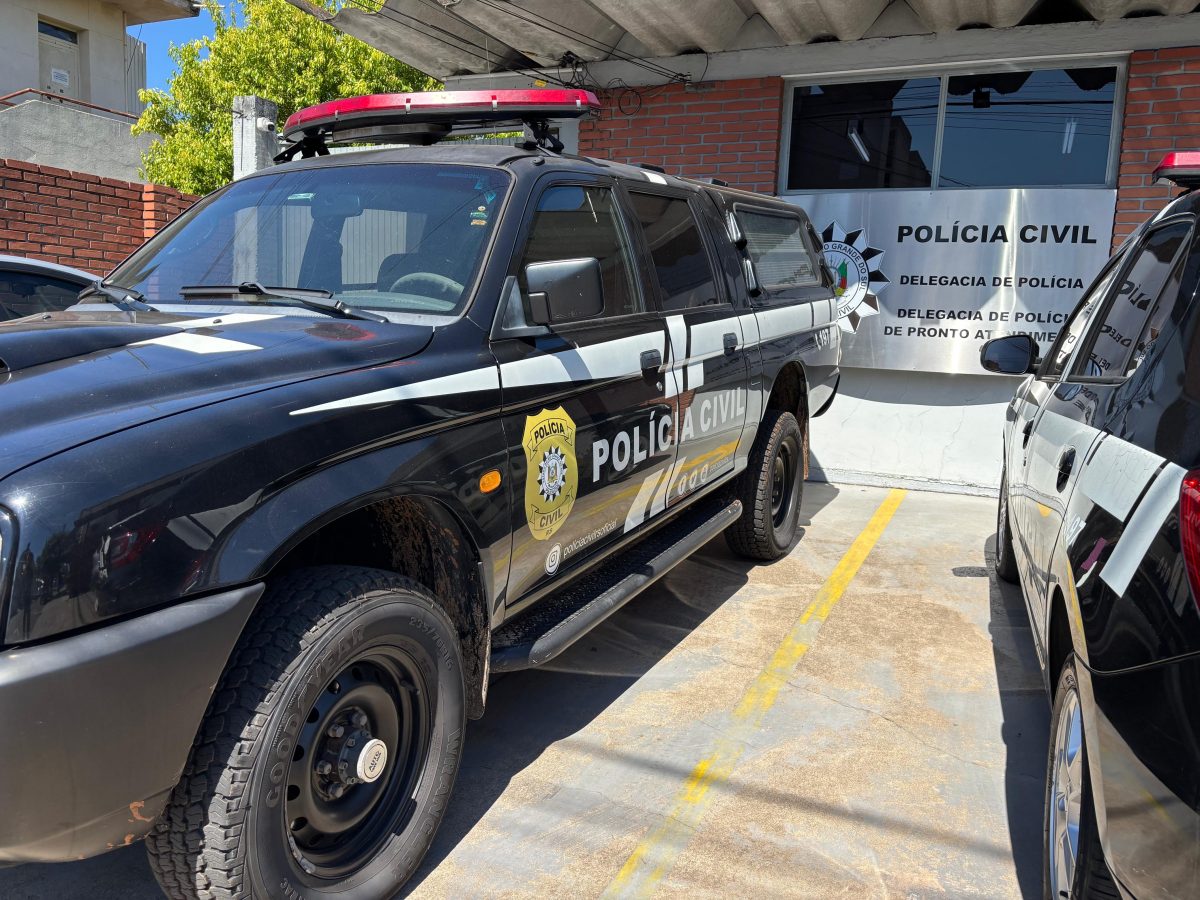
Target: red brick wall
pixel 1162 113
pixel 723 129
pixel 77 219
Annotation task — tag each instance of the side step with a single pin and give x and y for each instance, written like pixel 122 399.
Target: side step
pixel 561 619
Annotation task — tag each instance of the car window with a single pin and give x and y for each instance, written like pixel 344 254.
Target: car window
pixel 27 293
pixel 406 237
pixel 1133 318
pixel 680 261
pixel 1073 331
pixel 777 247
pixel 574 222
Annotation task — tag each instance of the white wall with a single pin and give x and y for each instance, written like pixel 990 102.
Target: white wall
pixel 101 46
pixel 913 429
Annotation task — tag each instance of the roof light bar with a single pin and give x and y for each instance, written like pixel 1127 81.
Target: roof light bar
pixel 426 117
pixel 1181 168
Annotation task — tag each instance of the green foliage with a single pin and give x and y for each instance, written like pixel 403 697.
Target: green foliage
pixel 271 49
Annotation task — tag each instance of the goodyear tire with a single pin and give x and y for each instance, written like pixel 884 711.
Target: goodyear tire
pixel 329 749
pixel 1073 863
pixel 1006 562
pixel 771 490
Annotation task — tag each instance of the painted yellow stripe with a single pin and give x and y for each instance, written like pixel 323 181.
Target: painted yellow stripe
pixel 652 859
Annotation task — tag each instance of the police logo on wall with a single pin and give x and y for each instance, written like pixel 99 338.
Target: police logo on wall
pixel 857 280
pixel 552 477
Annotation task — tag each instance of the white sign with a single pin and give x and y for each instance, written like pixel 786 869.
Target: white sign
pixel 60 77
pixel 925 277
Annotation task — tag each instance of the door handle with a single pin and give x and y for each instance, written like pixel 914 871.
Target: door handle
pixel 730 341
pixel 1026 431
pixel 651 361
pixel 1066 463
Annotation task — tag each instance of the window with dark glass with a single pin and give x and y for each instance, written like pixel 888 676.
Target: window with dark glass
pixel 24 293
pixel 1020 129
pixel 873 134
pixel 1139 307
pixel 575 222
pixel 1029 128
pixel 1073 331
pixel 680 261
pixel 777 247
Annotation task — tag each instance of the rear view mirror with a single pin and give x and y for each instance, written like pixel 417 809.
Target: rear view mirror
pixel 564 290
pixel 1013 354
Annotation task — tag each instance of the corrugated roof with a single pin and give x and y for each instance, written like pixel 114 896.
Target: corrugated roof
pixel 459 37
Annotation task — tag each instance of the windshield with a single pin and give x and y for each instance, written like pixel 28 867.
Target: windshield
pixel 406 237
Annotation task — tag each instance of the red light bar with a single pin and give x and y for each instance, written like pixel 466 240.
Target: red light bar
pixel 433 112
pixel 1181 168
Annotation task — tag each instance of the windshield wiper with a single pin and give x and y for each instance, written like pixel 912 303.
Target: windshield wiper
pixel 320 300
pixel 123 298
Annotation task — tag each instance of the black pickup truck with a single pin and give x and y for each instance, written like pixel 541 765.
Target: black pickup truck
pixel 353 433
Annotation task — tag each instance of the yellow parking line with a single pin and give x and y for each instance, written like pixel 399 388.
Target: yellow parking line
pixel 655 855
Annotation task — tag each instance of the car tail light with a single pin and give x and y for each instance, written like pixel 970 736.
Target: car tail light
pixel 1189 529
pixel 1181 168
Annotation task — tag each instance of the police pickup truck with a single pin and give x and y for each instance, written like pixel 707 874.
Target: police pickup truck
pixel 349 436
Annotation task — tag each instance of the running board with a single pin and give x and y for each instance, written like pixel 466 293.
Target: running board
pixel 561 619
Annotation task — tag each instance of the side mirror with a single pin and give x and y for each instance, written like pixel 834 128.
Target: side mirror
pixel 1013 354
pixel 564 290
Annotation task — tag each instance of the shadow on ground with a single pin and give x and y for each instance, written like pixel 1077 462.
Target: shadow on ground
pixel 527 712
pixel 1026 725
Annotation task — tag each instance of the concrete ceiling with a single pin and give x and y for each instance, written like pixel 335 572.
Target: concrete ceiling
pixel 138 12
pixel 458 37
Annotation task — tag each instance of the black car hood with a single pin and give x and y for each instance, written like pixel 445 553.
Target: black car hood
pixel 73 376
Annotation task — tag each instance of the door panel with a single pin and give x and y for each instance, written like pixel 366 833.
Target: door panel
pixel 708 347
pixel 587 404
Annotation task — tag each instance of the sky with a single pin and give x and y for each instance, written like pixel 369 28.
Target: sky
pixel 159 36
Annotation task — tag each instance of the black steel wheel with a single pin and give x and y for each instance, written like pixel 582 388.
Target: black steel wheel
pixel 329 749
pixel 771 490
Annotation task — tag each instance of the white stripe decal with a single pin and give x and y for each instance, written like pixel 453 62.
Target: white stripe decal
pixel 197 343
pixel 775 323
pixel 611 359
pixel 459 383
pixel 217 321
pixel 637 512
pixel 1142 529
pixel 1116 474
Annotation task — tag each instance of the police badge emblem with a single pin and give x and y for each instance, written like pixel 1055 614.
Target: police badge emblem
pixel 552 477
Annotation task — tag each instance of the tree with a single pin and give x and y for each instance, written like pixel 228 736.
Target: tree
pixel 271 49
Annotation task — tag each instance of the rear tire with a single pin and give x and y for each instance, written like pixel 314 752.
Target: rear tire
pixel 1073 863
pixel 286 792
pixel 1006 562
pixel 771 490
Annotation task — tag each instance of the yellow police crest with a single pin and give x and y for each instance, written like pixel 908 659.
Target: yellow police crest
pixel 552 478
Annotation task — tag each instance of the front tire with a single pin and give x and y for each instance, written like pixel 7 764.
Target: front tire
pixel 1073 865
pixel 1006 562
pixel 771 490
pixel 329 749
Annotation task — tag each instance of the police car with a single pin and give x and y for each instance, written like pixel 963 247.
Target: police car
pixel 346 438
pixel 1099 522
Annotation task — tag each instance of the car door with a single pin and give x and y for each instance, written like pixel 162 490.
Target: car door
pixel 708 356
pixel 1134 610
pixel 586 411
pixel 1065 438
pixel 1022 468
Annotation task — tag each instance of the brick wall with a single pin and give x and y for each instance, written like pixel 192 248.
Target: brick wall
pixel 723 129
pixel 77 219
pixel 1162 113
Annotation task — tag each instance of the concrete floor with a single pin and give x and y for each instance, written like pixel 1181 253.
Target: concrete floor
pixel 804 729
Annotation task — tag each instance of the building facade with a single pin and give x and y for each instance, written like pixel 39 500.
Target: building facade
pixel 970 165
pixel 69 79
